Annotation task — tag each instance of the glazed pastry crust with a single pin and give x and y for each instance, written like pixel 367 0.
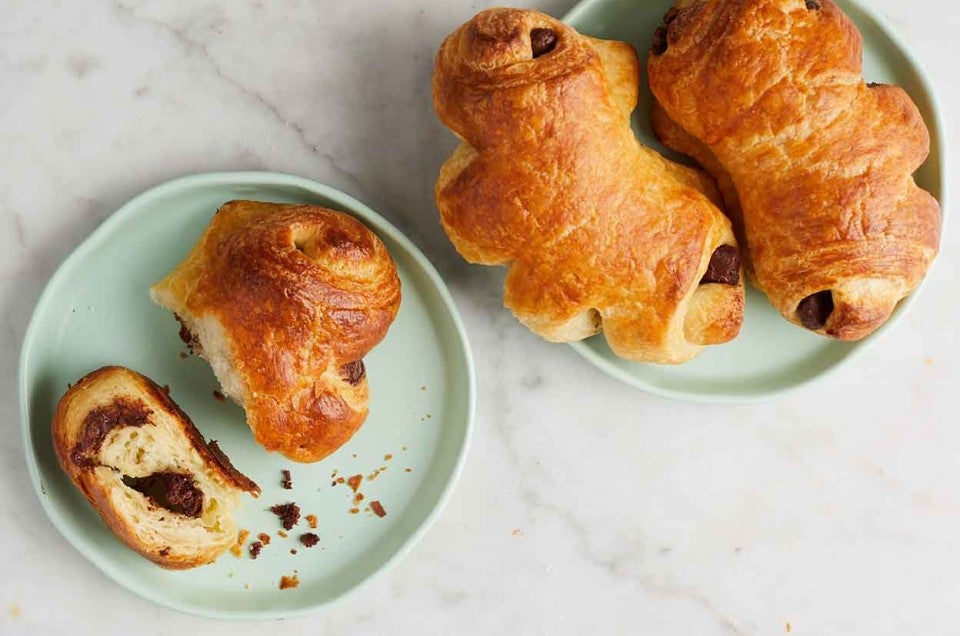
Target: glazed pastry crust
pixel 159 437
pixel 599 232
pixel 815 163
pixel 285 301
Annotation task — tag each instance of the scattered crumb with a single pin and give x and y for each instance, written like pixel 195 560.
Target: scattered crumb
pixel 423 388
pixel 287 481
pixel 311 520
pixel 429 416
pixel 333 483
pixel 288 513
pixel 354 482
pixel 334 473
pixel 281 534
pixel 246 586
pixel 788 628
pixel 237 548
pixel 15 611
pixel 220 397
pixel 354 455
pixel 387 457
pixel 340 480
pixel 378 509
pixel 517 532
pixel 928 361
pixel 255 548
pixel 183 355
pixel 230 575
pixel 403 448
pixel 293 550
pixel 287 582
pixel 264 538
pixel 357 498
pixel 43 488
pixel 376 473
pixel 309 539
pixel 354 511
pixel 408 470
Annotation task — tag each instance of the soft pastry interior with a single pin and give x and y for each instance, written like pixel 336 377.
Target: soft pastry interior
pixel 145 468
pixel 599 232
pixel 284 301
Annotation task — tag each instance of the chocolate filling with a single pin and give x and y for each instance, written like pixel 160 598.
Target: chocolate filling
pixel 814 310
pixel 100 421
pixel 542 41
pixel 188 337
pixel 724 267
pixel 814 5
pixel 659 46
pixel 174 491
pixel 353 372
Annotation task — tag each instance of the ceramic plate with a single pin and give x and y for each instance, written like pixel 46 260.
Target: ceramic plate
pixel 96 311
pixel 771 355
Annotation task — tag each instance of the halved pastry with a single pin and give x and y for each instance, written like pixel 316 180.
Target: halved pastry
pixel 284 301
pixel 145 468
pixel 599 232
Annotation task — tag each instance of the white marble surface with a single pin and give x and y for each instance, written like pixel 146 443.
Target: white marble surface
pixel 586 506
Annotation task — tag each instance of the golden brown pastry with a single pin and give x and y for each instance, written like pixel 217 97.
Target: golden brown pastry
pixel 814 163
pixel 284 301
pixel 145 468
pixel 599 232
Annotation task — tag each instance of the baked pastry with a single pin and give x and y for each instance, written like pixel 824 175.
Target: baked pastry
pixel 145 468
pixel 284 301
pixel 817 164
pixel 598 232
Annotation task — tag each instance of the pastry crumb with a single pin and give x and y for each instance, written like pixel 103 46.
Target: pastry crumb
pixel 264 538
pixel 255 549
pixel 220 397
pixel 387 457
pixel 281 534
pixel 377 508
pixel 311 521
pixel 354 482
pixel 287 582
pixel 288 513
pixel 237 548
pixel 309 539
pixel 287 481
pixel 517 532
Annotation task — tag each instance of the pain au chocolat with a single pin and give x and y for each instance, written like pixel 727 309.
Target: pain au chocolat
pixel 599 232
pixel 284 301
pixel 815 164
pixel 141 463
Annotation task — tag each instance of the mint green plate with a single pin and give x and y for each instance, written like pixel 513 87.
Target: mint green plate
pixel 770 356
pixel 96 311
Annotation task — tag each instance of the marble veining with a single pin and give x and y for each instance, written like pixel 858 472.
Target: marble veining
pixel 585 506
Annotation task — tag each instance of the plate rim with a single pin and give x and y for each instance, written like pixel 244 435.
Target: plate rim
pixel 937 131
pixel 352 206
